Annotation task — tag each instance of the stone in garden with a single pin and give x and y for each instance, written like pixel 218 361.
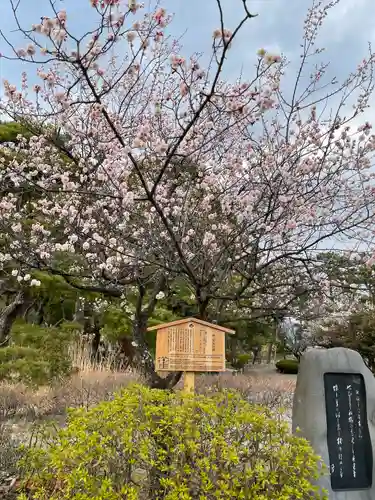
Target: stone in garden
pixel 334 408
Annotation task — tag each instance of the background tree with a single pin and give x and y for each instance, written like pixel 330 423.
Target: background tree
pixel 152 170
pixel 354 332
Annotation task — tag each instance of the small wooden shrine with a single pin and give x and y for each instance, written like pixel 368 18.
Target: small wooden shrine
pixel 190 345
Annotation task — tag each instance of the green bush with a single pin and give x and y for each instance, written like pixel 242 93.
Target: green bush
pixel 10 130
pixel 37 356
pixel 240 361
pixel 150 444
pixel 287 366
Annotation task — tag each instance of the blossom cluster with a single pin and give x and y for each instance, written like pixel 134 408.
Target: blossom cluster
pixel 160 164
pixel 25 278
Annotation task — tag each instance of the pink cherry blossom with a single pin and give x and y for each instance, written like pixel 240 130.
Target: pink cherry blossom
pixel 184 89
pixel 21 53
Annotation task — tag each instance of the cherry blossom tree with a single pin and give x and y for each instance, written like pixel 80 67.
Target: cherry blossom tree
pixel 148 167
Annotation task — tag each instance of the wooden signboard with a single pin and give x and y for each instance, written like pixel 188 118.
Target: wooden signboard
pixel 190 345
pixel 348 437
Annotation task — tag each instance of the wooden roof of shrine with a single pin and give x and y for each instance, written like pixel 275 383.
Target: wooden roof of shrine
pixel 191 320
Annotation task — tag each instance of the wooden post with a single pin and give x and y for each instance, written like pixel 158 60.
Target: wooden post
pixel 189 382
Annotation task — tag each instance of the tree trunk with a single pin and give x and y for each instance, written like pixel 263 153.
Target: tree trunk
pixel 202 308
pixel 9 314
pixel 144 362
pixel 27 310
pixel 79 315
pixel 40 314
pixel 233 347
pixel 95 343
pixel 85 316
pixel 256 351
pixel 142 359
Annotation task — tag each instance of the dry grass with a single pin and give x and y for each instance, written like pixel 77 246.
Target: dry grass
pixel 84 389
pixel 95 382
pixel 90 384
pixel 273 391
pixel 81 355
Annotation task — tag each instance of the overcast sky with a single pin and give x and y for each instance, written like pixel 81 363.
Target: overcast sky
pixel 278 28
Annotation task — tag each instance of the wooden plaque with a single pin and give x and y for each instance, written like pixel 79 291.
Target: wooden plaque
pixel 190 346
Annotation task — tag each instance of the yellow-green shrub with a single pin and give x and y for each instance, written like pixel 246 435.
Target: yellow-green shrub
pixel 149 444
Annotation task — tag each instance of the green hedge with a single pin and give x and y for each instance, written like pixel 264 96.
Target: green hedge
pixel 37 355
pixel 240 361
pixel 150 444
pixel 289 366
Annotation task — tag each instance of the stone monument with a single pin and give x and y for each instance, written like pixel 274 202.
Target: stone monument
pixel 334 408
